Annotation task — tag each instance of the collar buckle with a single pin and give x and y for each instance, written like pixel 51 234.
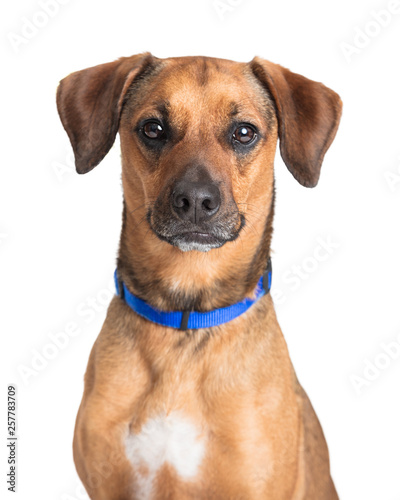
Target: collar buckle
pixel 185 320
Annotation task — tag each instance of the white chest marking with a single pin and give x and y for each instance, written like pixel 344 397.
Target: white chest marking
pixel 168 439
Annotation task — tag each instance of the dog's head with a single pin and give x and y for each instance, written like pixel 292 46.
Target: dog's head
pixel 198 137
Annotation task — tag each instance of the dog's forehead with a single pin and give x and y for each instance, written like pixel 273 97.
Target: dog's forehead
pixel 199 85
pixel 195 76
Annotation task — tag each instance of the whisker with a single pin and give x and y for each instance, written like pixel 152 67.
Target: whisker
pixel 250 205
pixel 250 226
pixel 143 205
pixel 138 224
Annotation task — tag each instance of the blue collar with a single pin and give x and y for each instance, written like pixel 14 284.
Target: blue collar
pixel 187 320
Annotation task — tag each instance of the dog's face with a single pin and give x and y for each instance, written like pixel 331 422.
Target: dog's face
pixel 198 138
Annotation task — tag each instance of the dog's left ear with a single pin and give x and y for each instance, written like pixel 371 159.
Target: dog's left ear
pixel 89 103
pixel 308 118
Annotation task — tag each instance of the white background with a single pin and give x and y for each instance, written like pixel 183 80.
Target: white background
pixel 59 231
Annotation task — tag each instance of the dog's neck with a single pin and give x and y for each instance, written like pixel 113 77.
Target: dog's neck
pixel 172 280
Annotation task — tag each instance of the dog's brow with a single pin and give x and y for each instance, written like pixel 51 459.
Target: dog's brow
pixel 234 109
pixel 163 107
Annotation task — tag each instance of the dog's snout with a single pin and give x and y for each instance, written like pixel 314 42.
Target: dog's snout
pixel 196 201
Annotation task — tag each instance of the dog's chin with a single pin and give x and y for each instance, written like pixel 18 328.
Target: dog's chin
pixel 202 242
pixel 197 238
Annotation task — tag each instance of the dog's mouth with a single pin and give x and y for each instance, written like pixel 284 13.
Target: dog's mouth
pixel 196 238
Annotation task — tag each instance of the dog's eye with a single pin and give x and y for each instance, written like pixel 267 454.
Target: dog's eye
pixel 244 134
pixel 153 130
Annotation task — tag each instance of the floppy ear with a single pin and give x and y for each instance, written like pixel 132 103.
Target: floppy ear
pixel 89 103
pixel 308 118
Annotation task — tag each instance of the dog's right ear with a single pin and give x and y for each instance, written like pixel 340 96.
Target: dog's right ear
pixel 89 103
pixel 308 117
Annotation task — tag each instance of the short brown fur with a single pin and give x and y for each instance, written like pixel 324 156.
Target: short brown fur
pixel 234 381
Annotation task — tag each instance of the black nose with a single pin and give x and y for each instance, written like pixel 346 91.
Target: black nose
pixel 195 201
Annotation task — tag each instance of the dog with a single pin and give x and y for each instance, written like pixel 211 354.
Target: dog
pixel 189 390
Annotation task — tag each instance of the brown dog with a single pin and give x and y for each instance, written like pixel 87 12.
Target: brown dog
pixel 206 413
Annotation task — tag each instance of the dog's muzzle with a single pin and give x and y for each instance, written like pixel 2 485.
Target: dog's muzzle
pixel 193 216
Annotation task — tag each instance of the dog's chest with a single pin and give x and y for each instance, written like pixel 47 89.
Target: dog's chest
pixel 171 439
